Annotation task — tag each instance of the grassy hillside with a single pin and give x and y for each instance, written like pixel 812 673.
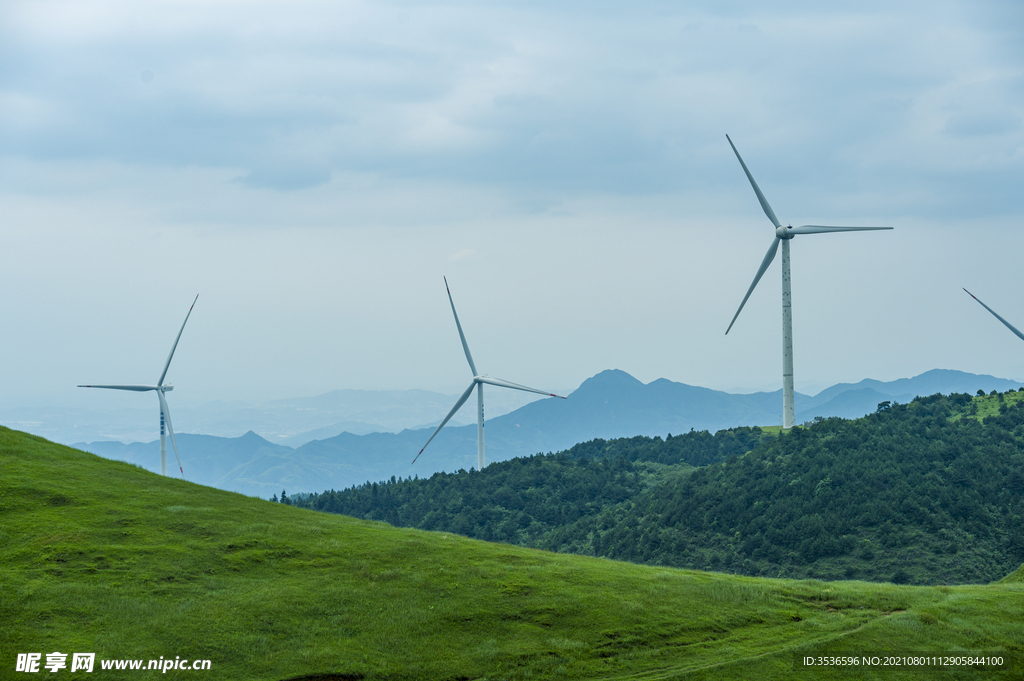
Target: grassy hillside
pixel 101 556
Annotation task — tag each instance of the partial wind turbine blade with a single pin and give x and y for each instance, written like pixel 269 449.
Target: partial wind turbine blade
pixel 1008 325
pixel 768 257
pixel 136 388
pixel 757 190
pixel 170 429
pixel 515 386
pixel 173 347
pixel 465 346
pixel 462 401
pixel 823 229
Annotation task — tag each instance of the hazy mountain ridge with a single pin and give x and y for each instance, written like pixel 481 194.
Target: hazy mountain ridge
pixel 610 405
pixel 292 421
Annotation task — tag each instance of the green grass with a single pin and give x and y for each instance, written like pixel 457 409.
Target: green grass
pixel 1014 577
pixel 988 405
pixel 101 556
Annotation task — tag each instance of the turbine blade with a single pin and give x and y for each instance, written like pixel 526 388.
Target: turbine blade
pixel 465 346
pixel 170 428
pixel 1008 325
pixel 137 388
pixel 173 347
pixel 823 229
pixel 462 401
pixel 768 257
pixel 757 190
pixel 515 386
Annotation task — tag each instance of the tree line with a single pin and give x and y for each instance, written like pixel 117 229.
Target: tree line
pixel 926 492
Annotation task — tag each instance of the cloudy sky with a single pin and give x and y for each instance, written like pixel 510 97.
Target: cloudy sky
pixel 312 169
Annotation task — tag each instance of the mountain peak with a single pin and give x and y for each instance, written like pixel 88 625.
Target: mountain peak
pixel 611 378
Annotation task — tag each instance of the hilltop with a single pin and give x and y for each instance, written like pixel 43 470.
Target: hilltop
pixel 927 492
pixel 102 556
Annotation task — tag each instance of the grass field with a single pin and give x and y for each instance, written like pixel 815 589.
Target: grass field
pixel 101 556
pixel 988 405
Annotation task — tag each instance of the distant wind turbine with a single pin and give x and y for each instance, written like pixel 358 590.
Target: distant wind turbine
pixel 160 388
pixel 783 235
pixel 1008 325
pixel 478 383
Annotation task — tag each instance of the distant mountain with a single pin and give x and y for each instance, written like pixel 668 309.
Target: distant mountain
pixel 214 461
pixel 291 422
pixel 850 404
pixel 943 381
pixel 852 400
pixel 354 427
pixel 610 405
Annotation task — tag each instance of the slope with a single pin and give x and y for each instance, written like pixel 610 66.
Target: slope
pixel 101 556
pixel 247 464
pixel 928 492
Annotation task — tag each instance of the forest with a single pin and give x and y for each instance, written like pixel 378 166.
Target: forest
pixel 927 492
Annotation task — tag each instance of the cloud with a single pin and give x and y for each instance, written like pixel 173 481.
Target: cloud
pixel 286 178
pixel 561 99
pixel 982 124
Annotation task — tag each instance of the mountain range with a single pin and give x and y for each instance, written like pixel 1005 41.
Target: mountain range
pixel 291 421
pixel 609 405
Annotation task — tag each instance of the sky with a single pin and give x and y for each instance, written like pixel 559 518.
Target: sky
pixel 313 169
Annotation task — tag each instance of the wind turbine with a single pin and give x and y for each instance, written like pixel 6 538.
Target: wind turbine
pixel 783 235
pixel 160 388
pixel 1008 325
pixel 478 383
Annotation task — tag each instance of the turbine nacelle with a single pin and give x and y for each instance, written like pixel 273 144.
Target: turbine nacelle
pixel 783 232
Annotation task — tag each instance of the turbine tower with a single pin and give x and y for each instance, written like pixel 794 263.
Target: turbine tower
pixel 160 388
pixel 478 383
pixel 1008 325
pixel 783 235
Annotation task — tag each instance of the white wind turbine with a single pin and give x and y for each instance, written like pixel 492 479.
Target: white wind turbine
pixel 478 383
pixel 1008 325
pixel 783 235
pixel 160 388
